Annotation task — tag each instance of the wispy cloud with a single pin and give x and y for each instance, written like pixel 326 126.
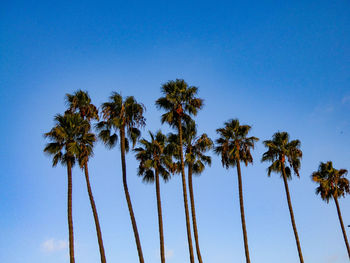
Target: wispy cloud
pixel 328 109
pixel 320 112
pixel 53 245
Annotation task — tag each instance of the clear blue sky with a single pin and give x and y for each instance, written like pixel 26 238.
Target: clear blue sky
pixel 276 65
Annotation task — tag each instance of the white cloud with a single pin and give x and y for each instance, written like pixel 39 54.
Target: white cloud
pixel 53 245
pixel 169 253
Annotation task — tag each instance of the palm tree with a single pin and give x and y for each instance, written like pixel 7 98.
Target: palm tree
pixel 125 116
pixel 195 159
pixel 179 102
pixel 280 149
pixel 234 147
pixel 80 102
pixel 65 138
pixel 155 159
pixel 332 185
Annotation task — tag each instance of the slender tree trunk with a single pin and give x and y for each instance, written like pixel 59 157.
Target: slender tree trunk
pixel 244 229
pixel 342 226
pixel 189 238
pixel 127 196
pixel 94 211
pixel 292 214
pixel 160 219
pixel 69 212
pixel 193 210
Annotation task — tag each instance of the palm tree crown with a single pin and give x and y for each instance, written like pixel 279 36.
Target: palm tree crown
pixel 195 148
pixel 154 155
pixel 80 101
pixel 233 144
pixel 68 135
pixel 332 182
pixel 280 148
pixel 117 114
pixel 179 101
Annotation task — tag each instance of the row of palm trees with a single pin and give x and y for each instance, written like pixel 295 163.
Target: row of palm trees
pixel 72 140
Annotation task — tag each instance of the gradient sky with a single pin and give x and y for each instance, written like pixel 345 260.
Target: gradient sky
pixel 276 65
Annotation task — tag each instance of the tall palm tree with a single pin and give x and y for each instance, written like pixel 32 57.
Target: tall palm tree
pixel 65 139
pixel 234 147
pixel 332 185
pixel 179 102
pixel 155 159
pixel 123 116
pixel 195 159
pixel 280 149
pixel 80 102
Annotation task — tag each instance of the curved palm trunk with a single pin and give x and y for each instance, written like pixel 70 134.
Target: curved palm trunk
pixel 244 229
pixel 160 219
pixel 127 196
pixel 193 210
pixel 188 226
pixel 291 213
pixel 342 226
pixel 69 212
pixel 94 211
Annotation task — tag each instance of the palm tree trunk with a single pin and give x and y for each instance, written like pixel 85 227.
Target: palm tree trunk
pixel 292 214
pixel 127 196
pixel 160 219
pixel 244 229
pixel 342 226
pixel 69 212
pixel 94 211
pixel 189 238
pixel 193 210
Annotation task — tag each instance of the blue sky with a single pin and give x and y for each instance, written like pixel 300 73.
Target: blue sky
pixel 274 65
